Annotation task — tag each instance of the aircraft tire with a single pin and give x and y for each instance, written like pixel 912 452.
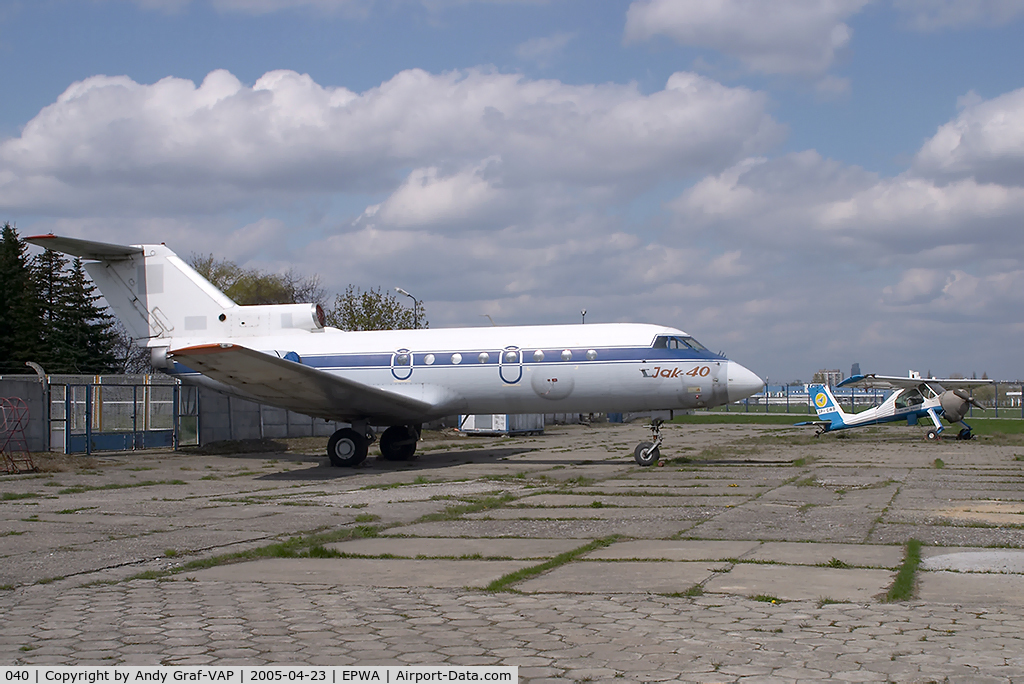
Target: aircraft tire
pixel 398 443
pixel 347 448
pixel 932 436
pixel 646 454
pixel 965 434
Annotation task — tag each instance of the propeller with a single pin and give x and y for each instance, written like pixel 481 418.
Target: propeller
pixel 955 404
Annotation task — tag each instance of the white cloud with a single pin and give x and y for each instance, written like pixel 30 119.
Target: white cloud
pixel 930 15
pixel 985 141
pixel 428 198
pixel 109 142
pixel 779 37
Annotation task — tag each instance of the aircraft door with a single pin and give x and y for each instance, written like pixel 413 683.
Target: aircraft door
pixel 510 365
pixel 401 364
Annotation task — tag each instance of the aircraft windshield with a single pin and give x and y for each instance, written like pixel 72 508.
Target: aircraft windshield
pixel 670 342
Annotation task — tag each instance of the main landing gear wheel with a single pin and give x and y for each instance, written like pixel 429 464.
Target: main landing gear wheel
pixel 965 434
pixel 398 443
pixel 346 447
pixel 932 436
pixel 646 453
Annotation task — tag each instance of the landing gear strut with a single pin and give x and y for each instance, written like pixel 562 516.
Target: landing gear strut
pixel 648 453
pixel 348 447
pixel 398 442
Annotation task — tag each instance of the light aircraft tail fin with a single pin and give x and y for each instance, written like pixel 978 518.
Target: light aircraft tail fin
pixel 830 413
pixel 164 303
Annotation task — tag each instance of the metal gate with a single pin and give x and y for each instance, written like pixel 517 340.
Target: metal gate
pixel 103 416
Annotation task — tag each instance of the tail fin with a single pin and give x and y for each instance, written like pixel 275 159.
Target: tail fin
pixel 826 405
pixel 164 303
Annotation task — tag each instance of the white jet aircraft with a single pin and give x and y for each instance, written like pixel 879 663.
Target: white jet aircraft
pixel 284 355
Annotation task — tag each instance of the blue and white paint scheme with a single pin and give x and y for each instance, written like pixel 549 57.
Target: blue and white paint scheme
pixel 914 399
pixel 284 355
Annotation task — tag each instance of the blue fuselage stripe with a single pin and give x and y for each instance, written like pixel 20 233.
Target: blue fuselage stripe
pixel 341 362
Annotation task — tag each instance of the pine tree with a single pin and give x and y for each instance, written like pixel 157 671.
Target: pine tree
pixel 51 285
pixel 85 332
pixel 20 323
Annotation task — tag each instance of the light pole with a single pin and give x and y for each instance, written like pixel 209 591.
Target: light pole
pixel 583 313
pixel 415 307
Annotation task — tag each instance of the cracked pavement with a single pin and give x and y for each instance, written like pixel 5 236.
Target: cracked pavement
pixel 762 557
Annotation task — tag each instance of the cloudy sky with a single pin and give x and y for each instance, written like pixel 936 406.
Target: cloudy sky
pixel 803 184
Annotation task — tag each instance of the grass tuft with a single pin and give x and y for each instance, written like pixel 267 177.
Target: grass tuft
pixel 902 587
pixel 505 582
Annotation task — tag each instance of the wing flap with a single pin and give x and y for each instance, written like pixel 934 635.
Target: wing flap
pixel 301 388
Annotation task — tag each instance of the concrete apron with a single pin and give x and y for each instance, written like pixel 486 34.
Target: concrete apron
pixel 779 570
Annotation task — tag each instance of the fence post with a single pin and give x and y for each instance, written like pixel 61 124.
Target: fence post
pixel 88 420
pixel 176 415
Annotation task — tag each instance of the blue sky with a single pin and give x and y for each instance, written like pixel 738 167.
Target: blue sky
pixel 802 183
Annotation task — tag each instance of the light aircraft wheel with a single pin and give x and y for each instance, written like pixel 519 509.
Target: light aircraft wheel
pixel 346 447
pixel 933 435
pixel 398 443
pixel 646 453
pixel 965 434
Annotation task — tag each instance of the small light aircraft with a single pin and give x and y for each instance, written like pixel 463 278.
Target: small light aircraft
pixel 284 355
pixel 914 398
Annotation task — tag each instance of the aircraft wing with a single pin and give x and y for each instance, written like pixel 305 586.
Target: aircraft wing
pixel 301 388
pixel 873 381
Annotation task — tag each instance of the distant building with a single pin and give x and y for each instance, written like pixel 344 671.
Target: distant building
pixel 829 377
pixel 854 369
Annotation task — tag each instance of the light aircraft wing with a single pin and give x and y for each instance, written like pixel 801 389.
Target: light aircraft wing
pixel 299 387
pixel 873 381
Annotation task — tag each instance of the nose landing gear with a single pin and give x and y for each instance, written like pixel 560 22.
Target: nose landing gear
pixel 648 453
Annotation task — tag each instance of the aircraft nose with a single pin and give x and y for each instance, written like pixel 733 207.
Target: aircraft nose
pixel 742 382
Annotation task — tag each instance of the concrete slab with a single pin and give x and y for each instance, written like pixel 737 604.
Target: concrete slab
pixel 638 515
pixel 801 583
pixel 584 499
pixel 971 588
pixel 348 572
pixel 547 529
pixel 973 560
pixel 855 555
pixel 428 547
pixel 675 550
pixel 620 578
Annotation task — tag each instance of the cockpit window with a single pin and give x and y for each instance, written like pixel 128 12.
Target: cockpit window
pixel 694 344
pixel 671 342
pixel 911 397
